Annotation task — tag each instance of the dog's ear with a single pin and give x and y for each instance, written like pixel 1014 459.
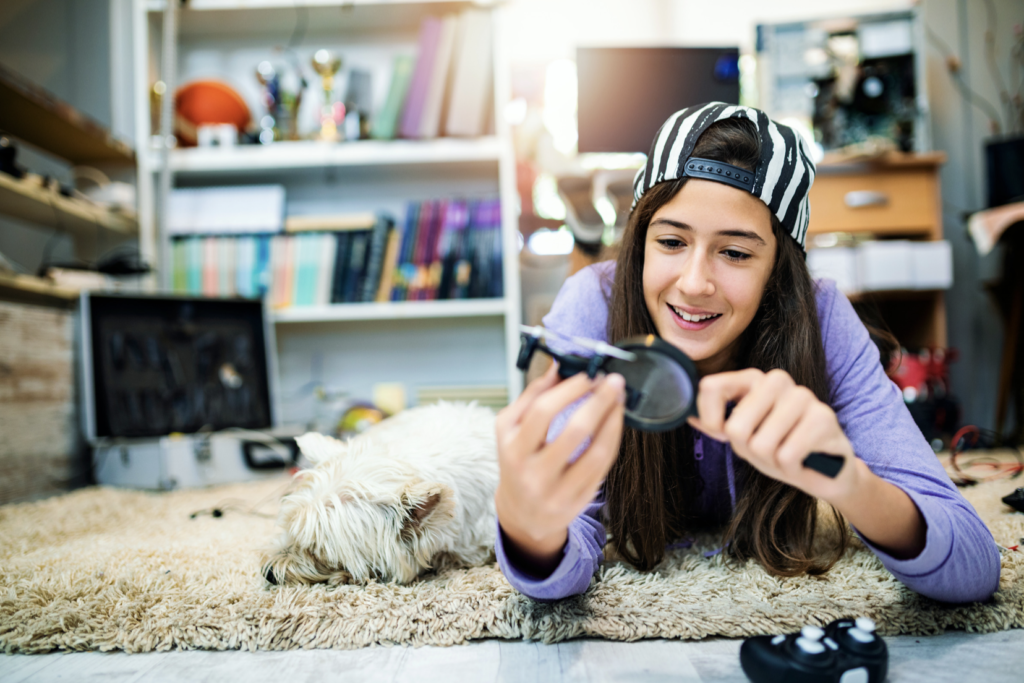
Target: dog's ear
pixel 319 447
pixel 427 505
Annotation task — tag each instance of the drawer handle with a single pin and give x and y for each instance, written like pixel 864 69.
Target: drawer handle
pixel 858 199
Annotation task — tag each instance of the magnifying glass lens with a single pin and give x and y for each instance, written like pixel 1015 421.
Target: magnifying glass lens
pixel 661 384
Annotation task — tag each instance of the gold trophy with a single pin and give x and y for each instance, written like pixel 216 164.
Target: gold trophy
pixel 327 64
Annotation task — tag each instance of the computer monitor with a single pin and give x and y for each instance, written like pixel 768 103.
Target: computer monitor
pixel 156 365
pixel 626 93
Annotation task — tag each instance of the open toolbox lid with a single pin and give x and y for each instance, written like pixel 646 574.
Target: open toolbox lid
pixel 153 365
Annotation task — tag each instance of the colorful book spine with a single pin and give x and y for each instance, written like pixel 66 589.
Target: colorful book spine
pixel 356 266
pixel 211 278
pixel 194 270
pixel 415 101
pixel 179 265
pixel 305 269
pixel 402 271
pixel 328 245
pixel 341 255
pixel 261 270
pixel 375 258
pixel 385 126
pixel 443 249
pixel 387 277
pixel 226 270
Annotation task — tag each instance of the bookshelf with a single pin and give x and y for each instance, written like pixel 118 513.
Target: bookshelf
pixel 300 155
pixel 468 342
pixel 401 310
pixel 35 204
pixel 32 115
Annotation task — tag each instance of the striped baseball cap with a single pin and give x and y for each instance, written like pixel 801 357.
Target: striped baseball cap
pixel 782 178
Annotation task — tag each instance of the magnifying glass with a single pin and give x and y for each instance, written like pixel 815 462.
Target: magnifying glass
pixel 661 380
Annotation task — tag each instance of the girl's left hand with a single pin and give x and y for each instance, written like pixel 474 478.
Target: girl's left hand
pixel 774 425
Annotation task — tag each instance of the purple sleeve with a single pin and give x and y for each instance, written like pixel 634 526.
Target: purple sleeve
pixel 580 309
pixel 960 560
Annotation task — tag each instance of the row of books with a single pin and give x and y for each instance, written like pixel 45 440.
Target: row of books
pixel 446 89
pixel 443 249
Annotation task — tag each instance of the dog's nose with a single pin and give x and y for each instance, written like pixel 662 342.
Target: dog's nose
pixel 268 574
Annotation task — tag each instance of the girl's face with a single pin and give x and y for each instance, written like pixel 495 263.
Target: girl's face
pixel 707 258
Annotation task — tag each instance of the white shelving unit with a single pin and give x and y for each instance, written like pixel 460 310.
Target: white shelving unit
pixel 345 346
pixel 403 310
pixel 310 155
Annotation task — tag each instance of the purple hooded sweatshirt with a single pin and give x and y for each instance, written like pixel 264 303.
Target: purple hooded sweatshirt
pixel 960 561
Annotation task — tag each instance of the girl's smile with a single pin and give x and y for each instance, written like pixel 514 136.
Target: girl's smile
pixel 708 254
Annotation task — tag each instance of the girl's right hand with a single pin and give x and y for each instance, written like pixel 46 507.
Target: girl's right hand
pixel 540 491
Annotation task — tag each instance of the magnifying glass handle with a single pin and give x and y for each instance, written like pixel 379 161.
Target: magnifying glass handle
pixel 829 465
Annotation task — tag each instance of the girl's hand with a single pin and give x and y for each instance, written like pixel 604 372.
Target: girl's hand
pixel 775 424
pixel 540 492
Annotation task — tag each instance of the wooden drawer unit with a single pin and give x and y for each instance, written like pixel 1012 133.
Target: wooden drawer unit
pixel 896 195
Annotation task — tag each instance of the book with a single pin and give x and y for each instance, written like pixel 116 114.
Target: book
pixel 341 256
pixel 412 114
pixel 261 271
pixel 226 266
pixel 304 273
pixel 194 270
pixel 179 265
pixel 385 126
pixel 375 258
pixel 431 261
pixel 325 269
pixel 468 103
pixel 288 275
pixel 363 220
pixel 225 210
pixel 430 125
pixel 245 247
pixel 211 278
pixel 387 273
pixel 356 266
pixel 402 275
pixel 450 246
pixel 417 267
pixel 280 273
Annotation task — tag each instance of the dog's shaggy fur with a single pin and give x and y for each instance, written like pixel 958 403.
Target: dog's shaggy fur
pixel 393 502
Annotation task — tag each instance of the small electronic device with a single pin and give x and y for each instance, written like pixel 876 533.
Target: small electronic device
pixel 845 651
pixel 177 391
pixel 661 380
pixel 1015 500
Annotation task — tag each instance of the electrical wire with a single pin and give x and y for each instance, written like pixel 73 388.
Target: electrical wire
pixel 963 462
pixel 953 67
pixel 990 60
pixel 239 505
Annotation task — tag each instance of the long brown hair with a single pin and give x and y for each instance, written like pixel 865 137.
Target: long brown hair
pixel 651 488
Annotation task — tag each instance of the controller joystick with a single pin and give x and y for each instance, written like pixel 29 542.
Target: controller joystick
pixel 845 651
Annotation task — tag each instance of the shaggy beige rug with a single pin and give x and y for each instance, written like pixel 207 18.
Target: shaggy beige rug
pixel 103 569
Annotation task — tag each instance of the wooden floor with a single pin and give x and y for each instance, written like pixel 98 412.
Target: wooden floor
pixel 959 657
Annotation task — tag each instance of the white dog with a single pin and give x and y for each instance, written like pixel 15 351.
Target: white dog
pixel 415 490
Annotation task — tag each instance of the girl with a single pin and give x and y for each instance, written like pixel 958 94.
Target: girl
pixel 712 261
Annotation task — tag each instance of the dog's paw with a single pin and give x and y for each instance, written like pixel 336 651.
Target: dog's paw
pixel 340 579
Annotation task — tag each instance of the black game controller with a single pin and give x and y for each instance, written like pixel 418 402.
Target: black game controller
pixel 845 651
